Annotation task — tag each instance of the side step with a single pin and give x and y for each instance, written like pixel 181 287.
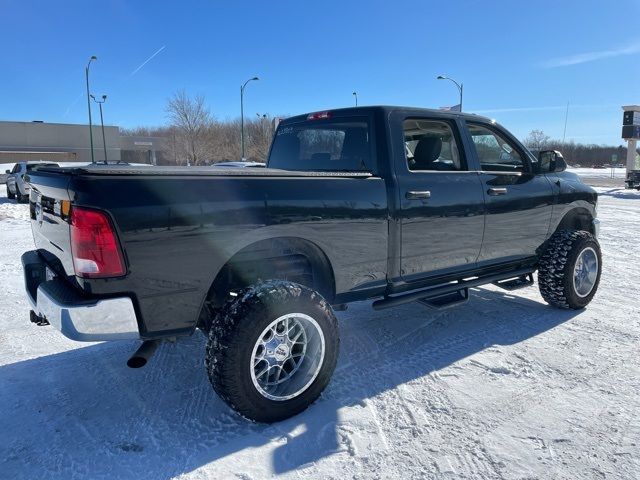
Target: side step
pixel 515 283
pixel 442 290
pixel 447 300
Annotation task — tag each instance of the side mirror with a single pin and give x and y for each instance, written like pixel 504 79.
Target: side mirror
pixel 7 171
pixel 550 161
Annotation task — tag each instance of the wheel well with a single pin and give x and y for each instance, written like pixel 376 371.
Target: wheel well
pixel 291 259
pixel 577 219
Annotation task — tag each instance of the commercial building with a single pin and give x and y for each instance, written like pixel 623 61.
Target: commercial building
pixel 63 142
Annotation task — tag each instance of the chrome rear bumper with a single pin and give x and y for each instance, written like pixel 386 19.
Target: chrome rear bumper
pixel 76 316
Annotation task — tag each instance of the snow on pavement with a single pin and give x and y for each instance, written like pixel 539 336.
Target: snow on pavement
pixel 501 387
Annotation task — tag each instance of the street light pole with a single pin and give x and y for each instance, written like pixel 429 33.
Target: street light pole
pixel 86 75
pixel 459 85
pixel 242 115
pixel 355 94
pixel 104 141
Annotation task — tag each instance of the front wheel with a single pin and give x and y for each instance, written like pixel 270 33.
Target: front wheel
pixel 9 194
pixel 272 350
pixel 570 269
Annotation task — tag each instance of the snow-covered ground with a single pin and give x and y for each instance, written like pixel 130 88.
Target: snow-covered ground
pixel 599 172
pixel 502 387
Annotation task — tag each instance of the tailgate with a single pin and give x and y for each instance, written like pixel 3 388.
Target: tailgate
pixel 49 208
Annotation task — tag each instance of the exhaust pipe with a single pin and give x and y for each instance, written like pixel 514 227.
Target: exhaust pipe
pixel 141 356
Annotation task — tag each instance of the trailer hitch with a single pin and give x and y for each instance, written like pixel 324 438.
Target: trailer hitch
pixel 39 320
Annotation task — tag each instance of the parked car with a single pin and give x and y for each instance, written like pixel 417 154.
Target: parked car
pixel 384 203
pixel 3 176
pixel 16 186
pixel 633 180
pixel 240 164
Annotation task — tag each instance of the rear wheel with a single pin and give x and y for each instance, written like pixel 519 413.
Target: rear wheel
pixel 272 350
pixel 570 269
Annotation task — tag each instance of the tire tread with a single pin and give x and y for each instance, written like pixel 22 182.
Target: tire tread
pixel 234 326
pixel 554 267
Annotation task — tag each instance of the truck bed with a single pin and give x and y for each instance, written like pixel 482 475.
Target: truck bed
pixel 179 226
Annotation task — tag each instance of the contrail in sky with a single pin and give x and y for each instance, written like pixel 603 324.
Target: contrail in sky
pixel 543 109
pixel 147 61
pixel 72 104
pixel 591 56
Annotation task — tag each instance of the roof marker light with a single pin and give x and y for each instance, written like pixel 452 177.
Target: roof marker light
pixel 319 115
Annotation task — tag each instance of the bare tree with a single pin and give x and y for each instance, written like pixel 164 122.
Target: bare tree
pixel 221 141
pixel 191 122
pixel 537 140
pixel 260 133
pixel 194 137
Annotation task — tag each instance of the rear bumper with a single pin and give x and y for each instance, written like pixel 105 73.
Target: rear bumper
pixel 76 316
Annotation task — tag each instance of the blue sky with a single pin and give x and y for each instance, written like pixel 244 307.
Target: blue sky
pixel 520 62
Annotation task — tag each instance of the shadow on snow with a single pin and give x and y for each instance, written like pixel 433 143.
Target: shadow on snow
pixel 623 193
pixel 83 412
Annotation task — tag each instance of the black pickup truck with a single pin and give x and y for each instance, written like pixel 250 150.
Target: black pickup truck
pixel 633 180
pixel 385 203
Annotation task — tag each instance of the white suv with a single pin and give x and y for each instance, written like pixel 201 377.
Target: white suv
pixel 16 186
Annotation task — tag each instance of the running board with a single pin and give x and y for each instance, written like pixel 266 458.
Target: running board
pixel 434 292
pixel 447 300
pixel 515 283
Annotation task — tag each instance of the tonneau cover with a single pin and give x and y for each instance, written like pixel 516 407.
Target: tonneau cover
pixel 196 171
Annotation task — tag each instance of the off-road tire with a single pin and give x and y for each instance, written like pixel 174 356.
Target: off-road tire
pixel 10 195
pixel 556 266
pixel 234 332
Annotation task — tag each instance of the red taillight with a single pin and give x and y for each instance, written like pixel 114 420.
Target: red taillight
pixel 319 115
pixel 94 247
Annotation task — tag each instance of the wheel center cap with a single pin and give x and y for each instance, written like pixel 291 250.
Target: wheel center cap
pixel 281 352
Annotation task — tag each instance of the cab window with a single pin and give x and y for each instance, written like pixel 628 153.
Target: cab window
pixel 340 144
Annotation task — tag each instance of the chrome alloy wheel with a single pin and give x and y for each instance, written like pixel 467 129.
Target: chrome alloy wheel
pixel 585 272
pixel 287 356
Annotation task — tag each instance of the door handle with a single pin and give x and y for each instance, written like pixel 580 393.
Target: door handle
pixel 413 195
pixel 497 191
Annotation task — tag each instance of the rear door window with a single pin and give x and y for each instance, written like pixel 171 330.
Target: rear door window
pixel 430 145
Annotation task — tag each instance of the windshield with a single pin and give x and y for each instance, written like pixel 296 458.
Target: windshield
pixel 334 145
pixel 31 166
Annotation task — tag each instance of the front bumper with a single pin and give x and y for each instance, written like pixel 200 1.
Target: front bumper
pixel 76 316
pixel 596 227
